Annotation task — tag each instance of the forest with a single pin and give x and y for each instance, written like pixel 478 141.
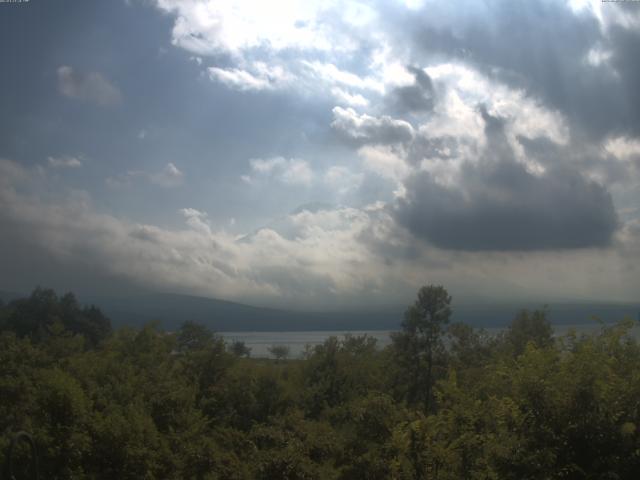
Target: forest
pixel 443 401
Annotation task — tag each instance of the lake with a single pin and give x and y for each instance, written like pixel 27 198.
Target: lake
pixel 259 342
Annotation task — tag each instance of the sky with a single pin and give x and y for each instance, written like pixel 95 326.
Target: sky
pixel 319 155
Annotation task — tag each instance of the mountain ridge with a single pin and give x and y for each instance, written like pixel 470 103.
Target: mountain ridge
pixel 222 315
pixel 172 309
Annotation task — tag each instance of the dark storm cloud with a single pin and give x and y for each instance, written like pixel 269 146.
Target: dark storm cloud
pixel 583 156
pixel 499 205
pixel 418 97
pixel 626 61
pixel 542 47
pixel 503 207
pixel 398 250
pixel 498 147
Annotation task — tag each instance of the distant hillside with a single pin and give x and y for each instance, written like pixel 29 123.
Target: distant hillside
pixel 172 309
pixel 500 315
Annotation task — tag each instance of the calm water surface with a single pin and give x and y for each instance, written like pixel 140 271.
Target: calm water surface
pixel 259 342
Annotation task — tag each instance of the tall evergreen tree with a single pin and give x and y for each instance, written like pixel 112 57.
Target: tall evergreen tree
pixel 420 339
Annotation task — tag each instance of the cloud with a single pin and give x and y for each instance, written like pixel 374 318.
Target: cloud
pixel 361 129
pixel 504 200
pixel 287 44
pixel 623 147
pixel 261 77
pixel 90 87
pixel 312 257
pixel 170 176
pixel 436 104
pixel 384 161
pixel 467 88
pixel 196 220
pixel 332 74
pixel 342 180
pixel 64 162
pixel 608 16
pixel 598 57
pixel 206 27
pixel 292 171
pixel 322 260
pixel 346 98
pixel 240 79
pixel 418 97
pixel 503 207
pixel 581 63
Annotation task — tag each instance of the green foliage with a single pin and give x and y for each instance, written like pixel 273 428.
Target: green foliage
pixel 279 352
pixel 338 371
pixel 529 327
pixel 157 405
pixel 193 336
pixel 240 349
pixel 40 315
pixel 419 344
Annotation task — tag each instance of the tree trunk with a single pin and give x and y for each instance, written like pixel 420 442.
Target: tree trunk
pixel 427 398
